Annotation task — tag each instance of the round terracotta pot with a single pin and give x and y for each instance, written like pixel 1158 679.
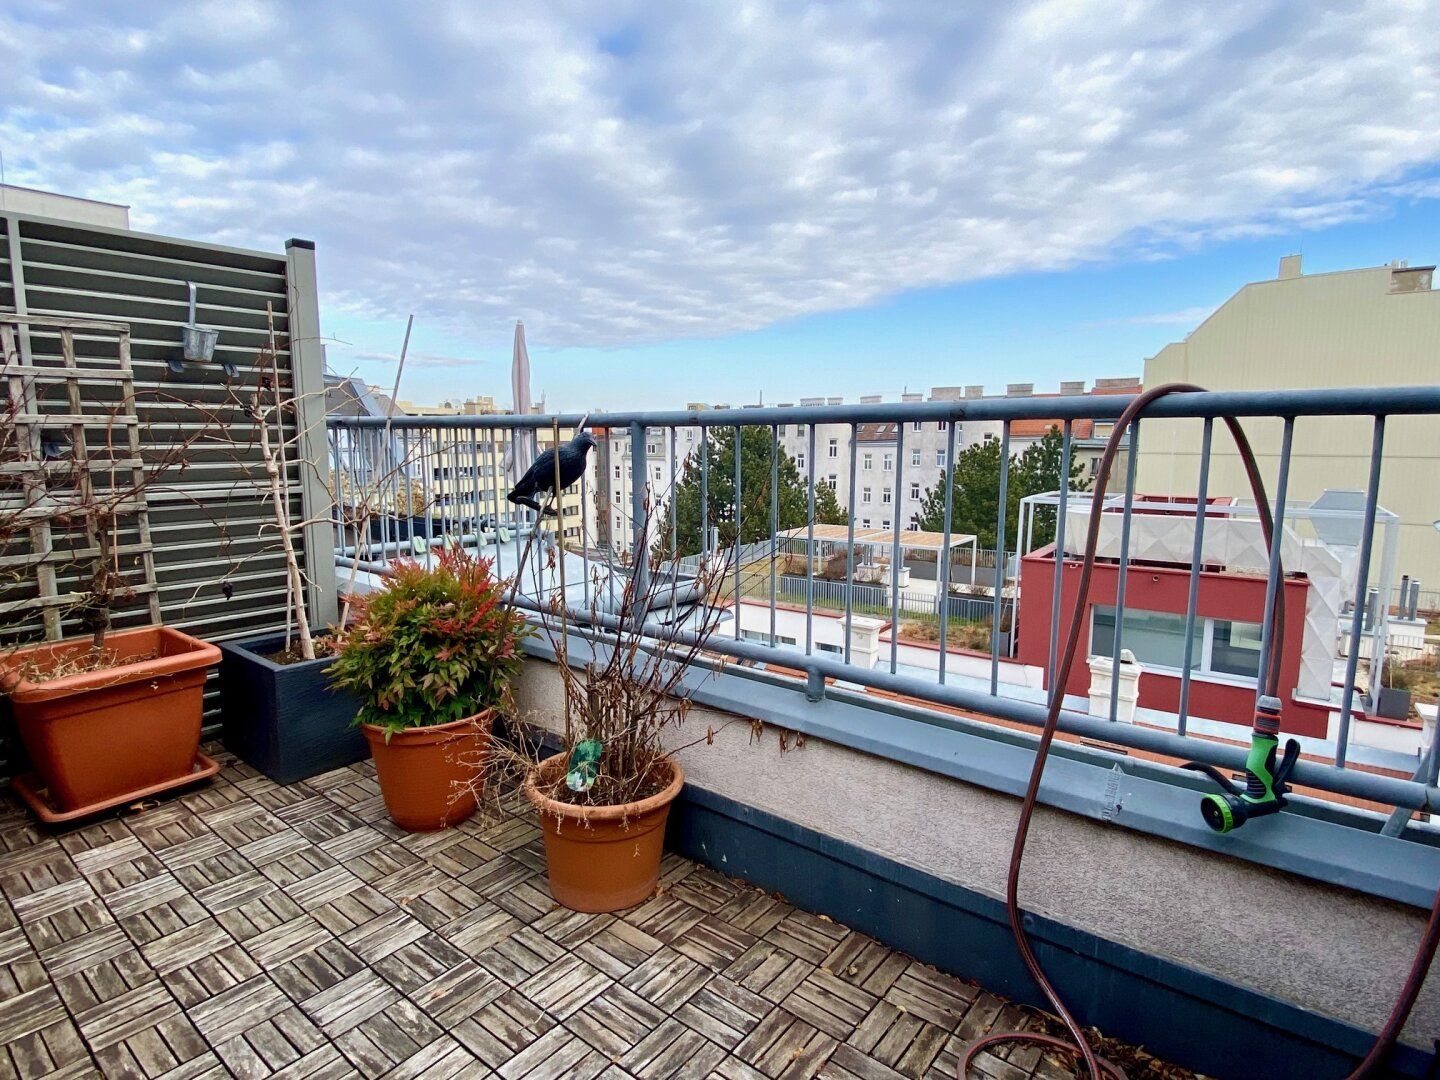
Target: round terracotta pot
pixel 602 858
pixel 432 777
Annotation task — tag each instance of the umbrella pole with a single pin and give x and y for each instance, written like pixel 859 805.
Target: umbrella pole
pixel 563 658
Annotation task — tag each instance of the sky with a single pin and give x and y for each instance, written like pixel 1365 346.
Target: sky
pixel 735 202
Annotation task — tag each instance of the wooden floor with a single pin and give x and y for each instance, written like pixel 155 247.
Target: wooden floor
pixel 253 930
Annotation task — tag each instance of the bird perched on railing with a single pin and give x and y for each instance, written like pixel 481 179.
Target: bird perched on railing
pixel 539 479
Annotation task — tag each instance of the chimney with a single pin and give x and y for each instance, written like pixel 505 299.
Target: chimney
pixel 874 399
pixel 946 393
pixel 912 397
pixel 974 392
pixel 1019 389
pixel 1076 386
pixel 841 401
pixel 1289 267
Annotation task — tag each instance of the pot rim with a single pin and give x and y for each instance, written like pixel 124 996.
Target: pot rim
pixel 433 732
pixel 616 812
pixel 198 654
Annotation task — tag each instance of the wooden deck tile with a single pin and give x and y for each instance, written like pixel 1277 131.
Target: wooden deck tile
pixel 247 929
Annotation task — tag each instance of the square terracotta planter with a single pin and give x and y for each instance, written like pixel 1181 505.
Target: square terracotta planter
pixel 104 738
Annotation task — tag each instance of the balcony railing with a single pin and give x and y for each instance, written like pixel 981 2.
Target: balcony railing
pixel 392 459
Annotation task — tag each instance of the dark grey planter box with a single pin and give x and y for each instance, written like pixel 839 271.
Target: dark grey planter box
pixel 285 719
pixel 1393 704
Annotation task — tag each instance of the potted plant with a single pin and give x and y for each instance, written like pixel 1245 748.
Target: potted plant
pixel 109 717
pixel 604 798
pixel 431 658
pixel 280 712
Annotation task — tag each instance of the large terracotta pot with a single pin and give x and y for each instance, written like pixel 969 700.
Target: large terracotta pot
pixel 110 736
pixel 602 858
pixel 432 777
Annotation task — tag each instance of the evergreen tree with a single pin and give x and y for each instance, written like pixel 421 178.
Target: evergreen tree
pixel 755 443
pixel 1038 470
pixel 976 482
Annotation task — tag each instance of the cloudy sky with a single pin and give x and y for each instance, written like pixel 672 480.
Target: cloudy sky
pixel 717 201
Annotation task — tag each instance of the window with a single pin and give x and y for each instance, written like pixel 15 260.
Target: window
pixel 885 524
pixel 865 495
pixel 656 470
pixel 823 647
pixel 915 457
pixel 890 463
pixel 800 463
pixel 761 637
pixel 919 425
pixel 939 425
pixel 617 501
pixel 651 449
pixel 835 450
pixel 1234 648
pixel 833 481
pixel 867 461
pixel 914 526
pixel 865 522
pixel 617 477
pixel 780 430
pixel 915 492
pixel 940 461
pixel 886 496
pixel 1157 638
pixel 800 430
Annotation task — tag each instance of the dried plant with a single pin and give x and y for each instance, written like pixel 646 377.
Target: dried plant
pixel 645 635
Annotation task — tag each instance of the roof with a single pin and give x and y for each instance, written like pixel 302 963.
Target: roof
pixel 915 541
pixel 876 433
pixel 1035 429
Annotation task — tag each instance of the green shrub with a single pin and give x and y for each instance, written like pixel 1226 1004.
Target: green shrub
pixel 437 644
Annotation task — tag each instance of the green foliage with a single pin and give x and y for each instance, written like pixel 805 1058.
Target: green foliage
pixel 435 645
pixel 755 444
pixel 976 482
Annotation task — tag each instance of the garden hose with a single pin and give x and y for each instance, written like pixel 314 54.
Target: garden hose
pixel 1261 768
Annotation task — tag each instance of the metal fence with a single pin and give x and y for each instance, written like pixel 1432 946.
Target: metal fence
pixel 1280 409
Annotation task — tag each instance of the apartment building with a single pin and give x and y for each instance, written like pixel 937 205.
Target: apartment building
pixel 1378 326
pixel 613 485
pixel 895 469
pixel 461 470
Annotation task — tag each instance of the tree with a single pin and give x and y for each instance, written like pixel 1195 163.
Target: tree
pixel 1038 470
pixel 755 447
pixel 976 482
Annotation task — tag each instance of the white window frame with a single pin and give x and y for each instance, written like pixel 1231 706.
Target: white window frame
pixel 887 496
pixel 867 462
pixel 939 459
pixel 915 491
pixel 918 425
pixel 866 494
pixel 1202 654
pixel 834 447
pixel 915 456
pixel 889 462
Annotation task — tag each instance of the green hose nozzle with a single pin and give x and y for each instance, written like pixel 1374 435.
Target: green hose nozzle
pixel 1266 785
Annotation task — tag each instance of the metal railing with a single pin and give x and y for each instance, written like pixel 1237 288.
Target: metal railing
pixel 387 457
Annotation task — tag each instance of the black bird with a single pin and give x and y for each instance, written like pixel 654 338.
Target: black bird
pixel 540 477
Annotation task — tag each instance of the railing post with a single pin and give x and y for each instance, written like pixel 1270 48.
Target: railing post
pixel 639 549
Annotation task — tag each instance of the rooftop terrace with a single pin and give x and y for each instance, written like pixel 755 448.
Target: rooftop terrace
pixel 249 929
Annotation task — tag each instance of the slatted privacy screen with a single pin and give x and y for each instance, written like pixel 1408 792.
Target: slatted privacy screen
pixel 211 523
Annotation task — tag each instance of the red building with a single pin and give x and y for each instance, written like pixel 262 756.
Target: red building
pixel 1225 656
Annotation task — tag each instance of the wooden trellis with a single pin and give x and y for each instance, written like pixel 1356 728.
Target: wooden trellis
pixel 96 481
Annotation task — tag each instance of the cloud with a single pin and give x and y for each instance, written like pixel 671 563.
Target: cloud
pixel 1191 316
pixel 617 173
pixel 422 360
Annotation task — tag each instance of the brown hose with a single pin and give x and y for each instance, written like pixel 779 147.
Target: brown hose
pixel 1078 1044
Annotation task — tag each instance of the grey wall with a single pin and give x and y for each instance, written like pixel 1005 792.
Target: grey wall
pixel 1336 952
pixel 212 523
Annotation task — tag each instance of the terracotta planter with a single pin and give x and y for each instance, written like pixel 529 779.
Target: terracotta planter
pixel 431 777
pixel 108 737
pixel 602 858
